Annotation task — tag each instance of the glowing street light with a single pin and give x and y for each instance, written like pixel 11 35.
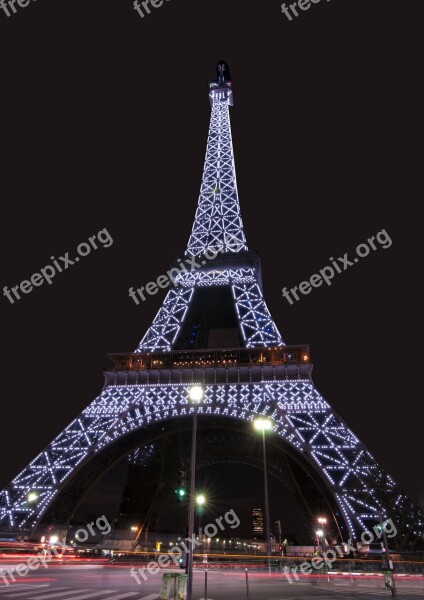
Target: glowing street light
pixel 200 500
pixel 319 533
pixel 32 497
pixel 262 424
pixel 196 393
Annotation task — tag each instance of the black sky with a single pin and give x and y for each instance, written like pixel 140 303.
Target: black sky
pixel 104 124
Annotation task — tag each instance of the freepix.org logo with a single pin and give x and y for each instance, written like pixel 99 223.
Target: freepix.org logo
pixel 9 7
pixel 232 244
pixel 175 553
pixel 340 551
pixel 48 272
pixel 327 273
pixel 55 550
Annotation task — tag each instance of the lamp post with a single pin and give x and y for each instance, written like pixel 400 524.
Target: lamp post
pixel 322 521
pixel 195 395
pixel 319 534
pixel 264 425
pixel 201 501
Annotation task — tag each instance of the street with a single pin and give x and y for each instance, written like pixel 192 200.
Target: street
pixel 108 582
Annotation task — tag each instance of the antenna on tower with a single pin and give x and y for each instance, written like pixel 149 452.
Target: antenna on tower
pixel 222 83
pixel 223 72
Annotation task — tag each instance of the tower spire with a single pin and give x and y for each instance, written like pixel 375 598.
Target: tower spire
pixel 221 303
pixel 218 222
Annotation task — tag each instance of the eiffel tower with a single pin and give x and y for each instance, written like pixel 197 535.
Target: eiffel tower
pixel 213 329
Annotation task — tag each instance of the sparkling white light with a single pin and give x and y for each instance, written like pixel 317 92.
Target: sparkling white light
pixel 300 416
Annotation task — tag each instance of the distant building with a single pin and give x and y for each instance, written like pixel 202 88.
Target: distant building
pixel 258 524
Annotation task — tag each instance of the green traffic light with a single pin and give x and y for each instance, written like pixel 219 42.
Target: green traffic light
pixel 181 492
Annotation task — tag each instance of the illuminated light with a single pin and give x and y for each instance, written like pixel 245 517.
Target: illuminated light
pixel 262 424
pixel 53 539
pixel 32 496
pixel 196 393
pixel 319 532
pixel 201 499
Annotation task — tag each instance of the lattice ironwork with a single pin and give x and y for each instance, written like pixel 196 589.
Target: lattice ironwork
pixel 255 321
pixel 217 229
pixel 218 211
pixel 301 417
pixel 166 326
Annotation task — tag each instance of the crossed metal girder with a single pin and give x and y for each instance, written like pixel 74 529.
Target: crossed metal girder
pixel 256 324
pixel 300 416
pixel 218 211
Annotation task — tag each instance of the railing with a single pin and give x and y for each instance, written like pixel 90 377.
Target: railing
pixel 341 568
pixel 232 357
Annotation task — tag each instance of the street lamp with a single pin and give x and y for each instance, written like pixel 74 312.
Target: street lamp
pixel 322 521
pixel 201 501
pixel 32 497
pixel 263 424
pixel 319 534
pixel 195 394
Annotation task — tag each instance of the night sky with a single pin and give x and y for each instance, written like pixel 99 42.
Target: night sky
pixel 104 125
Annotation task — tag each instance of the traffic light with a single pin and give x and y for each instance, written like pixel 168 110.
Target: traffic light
pixel 182 481
pixel 280 548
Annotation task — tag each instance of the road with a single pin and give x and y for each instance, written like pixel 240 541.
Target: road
pixel 109 582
